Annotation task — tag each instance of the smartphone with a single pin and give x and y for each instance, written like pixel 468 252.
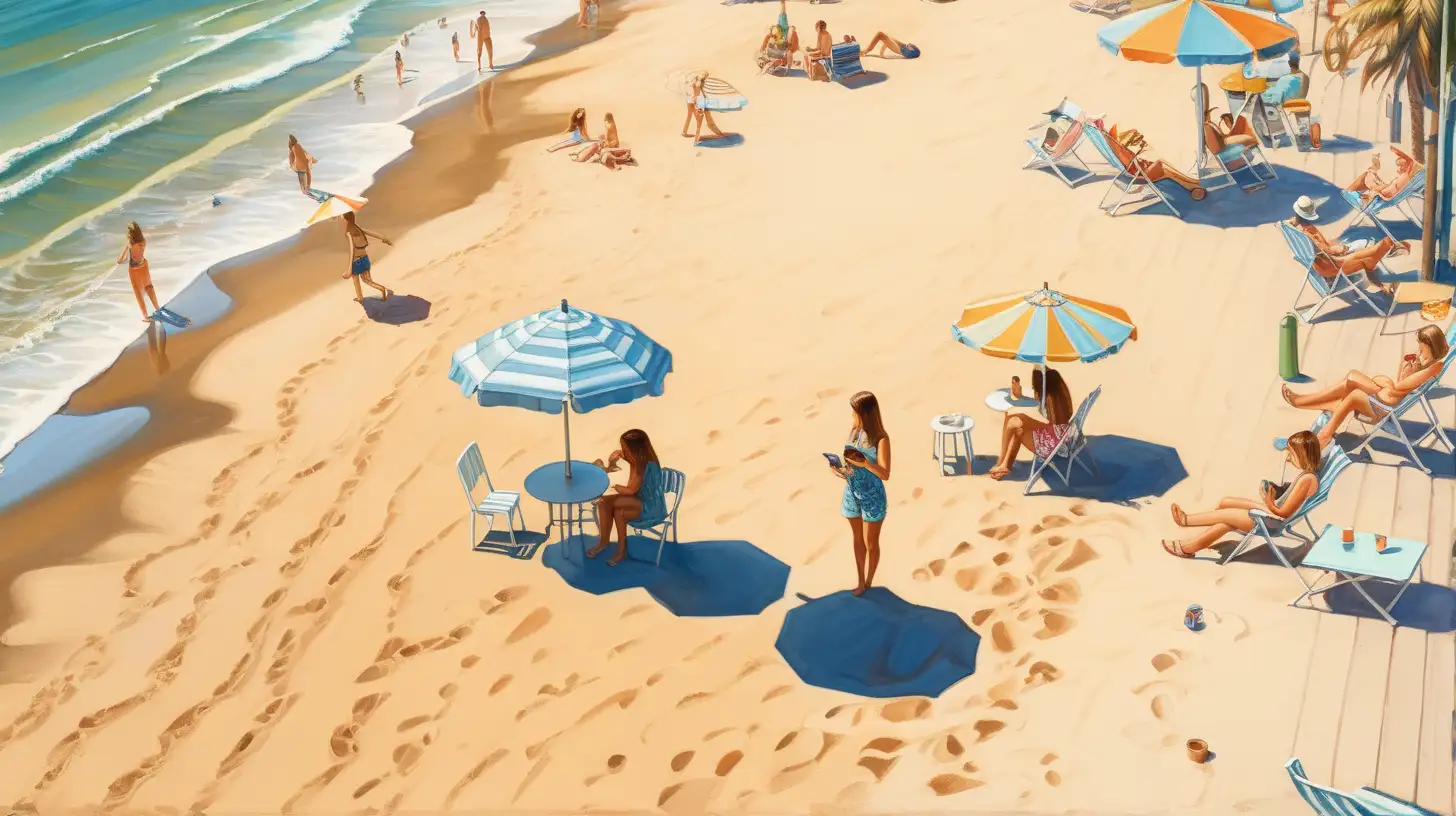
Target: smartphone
pixel 834 460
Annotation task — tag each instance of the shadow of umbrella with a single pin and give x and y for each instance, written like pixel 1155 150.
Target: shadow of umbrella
pixel 877 645
pixel 705 579
pixel 1130 469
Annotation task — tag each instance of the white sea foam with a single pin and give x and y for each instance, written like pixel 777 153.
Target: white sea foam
pixel 12 157
pixel 224 13
pixel 116 39
pixel 85 335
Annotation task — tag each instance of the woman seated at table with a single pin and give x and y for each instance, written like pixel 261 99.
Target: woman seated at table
pixel 1041 435
pixel 641 499
pixel 1129 146
pixel 1283 501
pixel 1352 395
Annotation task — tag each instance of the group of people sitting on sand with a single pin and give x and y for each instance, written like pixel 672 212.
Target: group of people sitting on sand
pixel 781 44
pixel 607 151
pixel 1366 397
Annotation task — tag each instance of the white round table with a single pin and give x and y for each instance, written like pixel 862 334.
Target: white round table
pixel 1001 401
pixel 956 429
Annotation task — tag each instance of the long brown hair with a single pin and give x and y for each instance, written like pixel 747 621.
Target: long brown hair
pixel 1058 397
pixel 578 120
pixel 292 140
pixel 638 447
pixel 1304 451
pixel 134 233
pixel 867 407
pixel 1434 339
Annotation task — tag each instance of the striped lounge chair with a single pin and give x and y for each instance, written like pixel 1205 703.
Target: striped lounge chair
pixel 1305 254
pixel 1389 426
pixel 1400 202
pixel 1070 447
pixel 843 62
pixel 1268 527
pixel 1127 179
pixel 1366 801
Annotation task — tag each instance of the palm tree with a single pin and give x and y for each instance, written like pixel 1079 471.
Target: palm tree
pixel 1396 37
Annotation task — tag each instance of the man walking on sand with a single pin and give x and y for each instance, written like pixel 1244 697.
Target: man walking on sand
pixel 480 30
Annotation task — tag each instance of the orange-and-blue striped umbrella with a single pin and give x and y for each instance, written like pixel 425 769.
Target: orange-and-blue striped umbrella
pixel 1043 327
pixel 1198 32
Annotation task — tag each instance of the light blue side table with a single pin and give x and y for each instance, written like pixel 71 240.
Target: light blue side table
pixel 1358 562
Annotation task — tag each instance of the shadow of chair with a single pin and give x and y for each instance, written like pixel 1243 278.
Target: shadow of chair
pixel 1131 469
pixel 704 579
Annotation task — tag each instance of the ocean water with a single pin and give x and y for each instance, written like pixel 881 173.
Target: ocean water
pixel 144 110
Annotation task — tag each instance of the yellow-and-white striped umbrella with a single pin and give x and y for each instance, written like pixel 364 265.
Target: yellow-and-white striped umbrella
pixel 335 206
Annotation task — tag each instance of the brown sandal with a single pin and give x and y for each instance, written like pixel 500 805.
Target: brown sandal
pixel 1180 517
pixel 1175 548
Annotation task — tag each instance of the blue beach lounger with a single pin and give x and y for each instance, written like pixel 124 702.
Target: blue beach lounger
pixel 1305 254
pixel 1268 527
pixel 1366 801
pixel 1126 180
pixel 843 62
pixel 1400 202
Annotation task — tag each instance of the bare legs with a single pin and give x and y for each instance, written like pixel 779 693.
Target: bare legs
pixel 1160 170
pixel 1327 399
pixel 882 41
pixel 1232 515
pixel 587 153
pixel 692 112
pixel 1016 430
pixel 359 290
pixel 614 510
pixel 706 117
pixel 866 551
pixel 142 304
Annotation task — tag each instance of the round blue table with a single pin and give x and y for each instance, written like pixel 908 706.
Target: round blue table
pixel 549 484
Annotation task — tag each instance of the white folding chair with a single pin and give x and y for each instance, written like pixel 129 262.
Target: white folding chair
pixel 1070 447
pixel 674 482
pixel 471 468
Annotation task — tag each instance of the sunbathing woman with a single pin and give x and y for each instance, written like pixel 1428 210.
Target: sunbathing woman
pixel 1233 513
pixel 1128 147
pixel 1040 435
pixel 885 43
pixel 1353 394
pixel 1356 257
pixel 1369 184
pixel 1225 130
pixel 640 499
pixel 608 150
pixel 575 132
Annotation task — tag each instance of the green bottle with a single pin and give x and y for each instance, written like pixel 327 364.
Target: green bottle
pixel 1289 347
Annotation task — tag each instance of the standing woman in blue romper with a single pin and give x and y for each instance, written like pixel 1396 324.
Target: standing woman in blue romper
pixel 864 495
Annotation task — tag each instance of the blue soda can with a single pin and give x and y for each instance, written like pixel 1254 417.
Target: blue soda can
pixel 1193 618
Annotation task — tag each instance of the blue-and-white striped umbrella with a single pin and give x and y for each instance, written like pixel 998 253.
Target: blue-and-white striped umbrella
pixel 559 356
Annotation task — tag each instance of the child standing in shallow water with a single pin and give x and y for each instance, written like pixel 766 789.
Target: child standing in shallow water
pixel 866 468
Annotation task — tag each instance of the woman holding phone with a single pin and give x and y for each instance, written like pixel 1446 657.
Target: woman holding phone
pixel 865 467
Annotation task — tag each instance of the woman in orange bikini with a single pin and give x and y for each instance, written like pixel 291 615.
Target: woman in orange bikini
pixel 135 258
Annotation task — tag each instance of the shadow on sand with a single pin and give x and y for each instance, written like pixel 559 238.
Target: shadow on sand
pixel 705 579
pixel 1126 470
pixel 1393 454
pixel 398 310
pixel 1231 207
pixel 877 645
pixel 726 140
pixel 863 80
pixel 499 542
pixel 1344 144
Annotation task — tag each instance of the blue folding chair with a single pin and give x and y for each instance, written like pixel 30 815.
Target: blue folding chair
pixel 1366 801
pixel 843 62
pixel 1400 202
pixel 1268 527
pixel 1126 179
pixel 1305 254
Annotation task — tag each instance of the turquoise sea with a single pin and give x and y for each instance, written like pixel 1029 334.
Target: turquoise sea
pixel 145 110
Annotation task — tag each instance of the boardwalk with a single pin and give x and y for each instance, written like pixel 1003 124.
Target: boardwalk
pixel 1377 707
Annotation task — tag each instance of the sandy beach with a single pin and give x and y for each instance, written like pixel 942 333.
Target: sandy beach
pixel 266 601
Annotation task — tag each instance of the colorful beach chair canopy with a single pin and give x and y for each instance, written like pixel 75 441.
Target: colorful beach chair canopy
pixel 1044 326
pixel 1195 33
pixel 561 355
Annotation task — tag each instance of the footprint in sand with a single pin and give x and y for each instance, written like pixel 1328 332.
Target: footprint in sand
pixel 1004 532
pixel 985 729
pixel 1041 673
pixel 728 762
pixel 1050 523
pixel 980 615
pixel 1081 554
pixel 1066 590
pixel 529 625
pixel 879 766
pixel 910 708
pixel 1001 637
pixel 681 761
pixel 1006 584
pixel 947 784
pixel 1000 559
pixel 947 749
pixel 1165 660
pixel 961 549
pixel 967 578
pixel 1053 624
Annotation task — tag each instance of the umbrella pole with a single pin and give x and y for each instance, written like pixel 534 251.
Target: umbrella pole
pixel 1201 106
pixel 566 423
